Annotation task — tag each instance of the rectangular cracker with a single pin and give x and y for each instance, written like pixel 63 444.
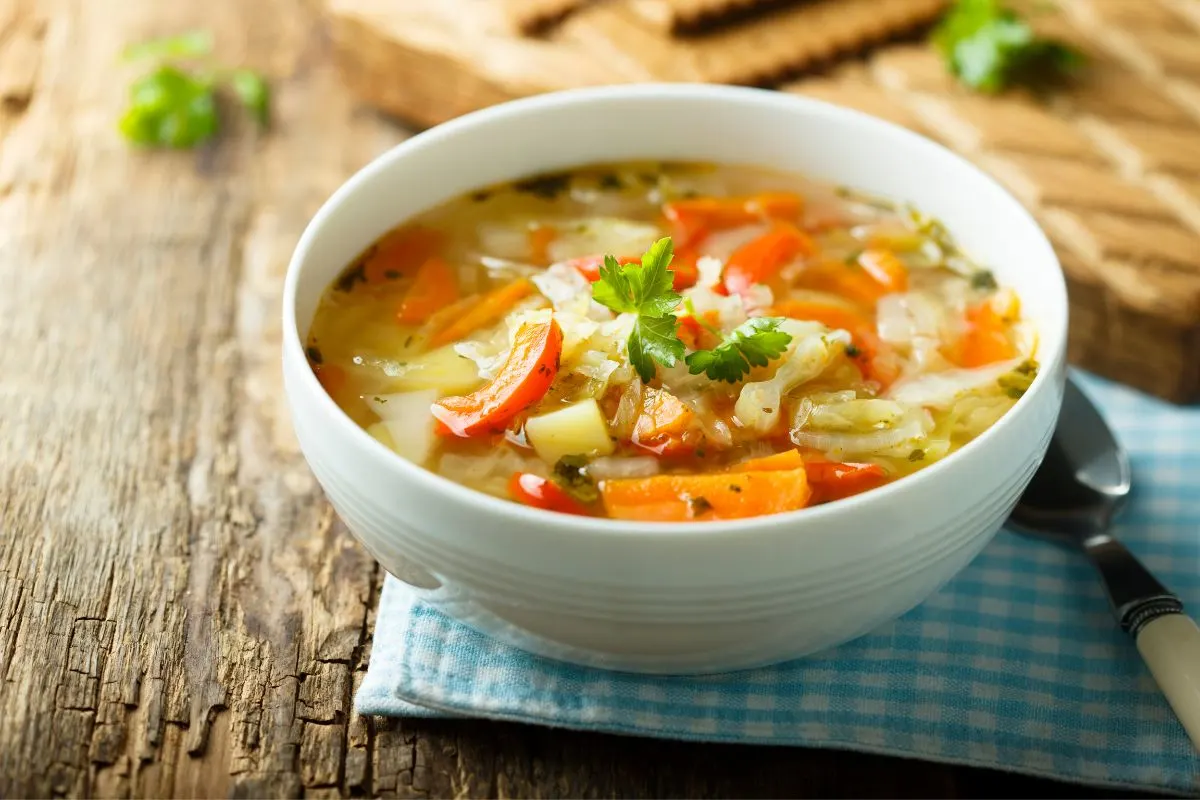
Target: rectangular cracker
pixel 528 17
pixel 678 16
pixel 759 51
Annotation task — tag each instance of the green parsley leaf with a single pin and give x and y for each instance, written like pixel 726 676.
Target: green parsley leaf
pixel 988 47
pixel 654 339
pixel 251 89
pixel 646 290
pixel 186 45
pixel 170 108
pixel 753 343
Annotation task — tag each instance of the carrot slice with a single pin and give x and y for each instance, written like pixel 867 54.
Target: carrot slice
pixel 534 490
pixel 401 252
pixel 694 218
pixel 331 377
pixel 540 238
pixel 886 268
pixel 661 426
pixel 985 341
pixel 434 288
pixel 695 333
pixel 829 480
pixel 788 459
pixel 589 266
pixel 832 480
pixel 758 260
pixel 523 379
pixel 683 266
pixel 493 306
pixel 677 498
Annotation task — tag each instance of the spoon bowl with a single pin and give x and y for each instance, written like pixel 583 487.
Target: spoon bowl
pixel 1084 480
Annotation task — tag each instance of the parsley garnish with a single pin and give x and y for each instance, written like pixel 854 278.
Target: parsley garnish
pixel 645 290
pixel 988 47
pixel 753 343
pixel 177 107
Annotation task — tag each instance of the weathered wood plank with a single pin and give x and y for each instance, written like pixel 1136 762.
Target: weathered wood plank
pixel 180 613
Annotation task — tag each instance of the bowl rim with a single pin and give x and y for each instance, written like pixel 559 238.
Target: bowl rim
pixel 354 437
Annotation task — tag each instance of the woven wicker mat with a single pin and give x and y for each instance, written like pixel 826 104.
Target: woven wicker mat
pixel 1110 165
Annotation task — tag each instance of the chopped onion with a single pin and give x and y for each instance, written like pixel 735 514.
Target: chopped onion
pixel 709 270
pixel 562 284
pixel 811 351
pixel 593 235
pixel 609 467
pixel 722 244
pixel 506 241
pixel 628 408
pixel 901 318
pixel 942 389
pixel 911 428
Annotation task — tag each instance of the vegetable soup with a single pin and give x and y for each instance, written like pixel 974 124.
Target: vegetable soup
pixel 671 342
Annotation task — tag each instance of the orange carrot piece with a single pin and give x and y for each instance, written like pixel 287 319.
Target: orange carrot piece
pixel 523 380
pixel 490 309
pixel 663 416
pixel 986 340
pixel 683 266
pixel 758 260
pixel 693 219
pixel 331 377
pixel 886 268
pixel 589 266
pixel 434 288
pixel 788 459
pixel 714 496
pixel 695 333
pixel 540 238
pixel 831 480
pixel 400 252
pixel 534 490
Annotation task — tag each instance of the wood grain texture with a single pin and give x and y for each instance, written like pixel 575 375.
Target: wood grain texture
pixel 181 614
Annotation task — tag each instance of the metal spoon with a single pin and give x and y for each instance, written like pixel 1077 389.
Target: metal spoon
pixel 1080 487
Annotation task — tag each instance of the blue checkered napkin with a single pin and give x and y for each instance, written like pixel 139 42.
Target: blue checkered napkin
pixel 1017 664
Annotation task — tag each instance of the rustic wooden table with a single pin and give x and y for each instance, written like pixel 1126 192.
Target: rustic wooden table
pixel 180 612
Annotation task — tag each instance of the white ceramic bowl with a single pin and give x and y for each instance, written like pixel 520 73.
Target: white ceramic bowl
pixel 662 597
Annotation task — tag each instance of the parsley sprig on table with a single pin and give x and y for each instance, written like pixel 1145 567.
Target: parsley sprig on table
pixel 988 47
pixel 172 106
pixel 646 289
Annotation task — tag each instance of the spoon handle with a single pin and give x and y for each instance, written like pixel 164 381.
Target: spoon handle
pixel 1170 644
pixel 1167 638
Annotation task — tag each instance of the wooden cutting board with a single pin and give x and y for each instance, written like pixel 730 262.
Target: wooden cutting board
pixel 1110 164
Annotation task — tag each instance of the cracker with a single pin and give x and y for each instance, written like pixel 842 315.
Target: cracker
pixel 758 51
pixel 532 16
pixel 677 16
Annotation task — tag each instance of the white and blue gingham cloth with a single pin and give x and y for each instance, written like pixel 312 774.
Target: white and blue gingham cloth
pixel 1017 664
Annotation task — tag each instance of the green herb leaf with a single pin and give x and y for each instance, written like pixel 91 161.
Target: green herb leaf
pixel 170 108
pixel 654 339
pixel 988 47
pixel 752 344
pixel 644 289
pixel 252 91
pixel 186 45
